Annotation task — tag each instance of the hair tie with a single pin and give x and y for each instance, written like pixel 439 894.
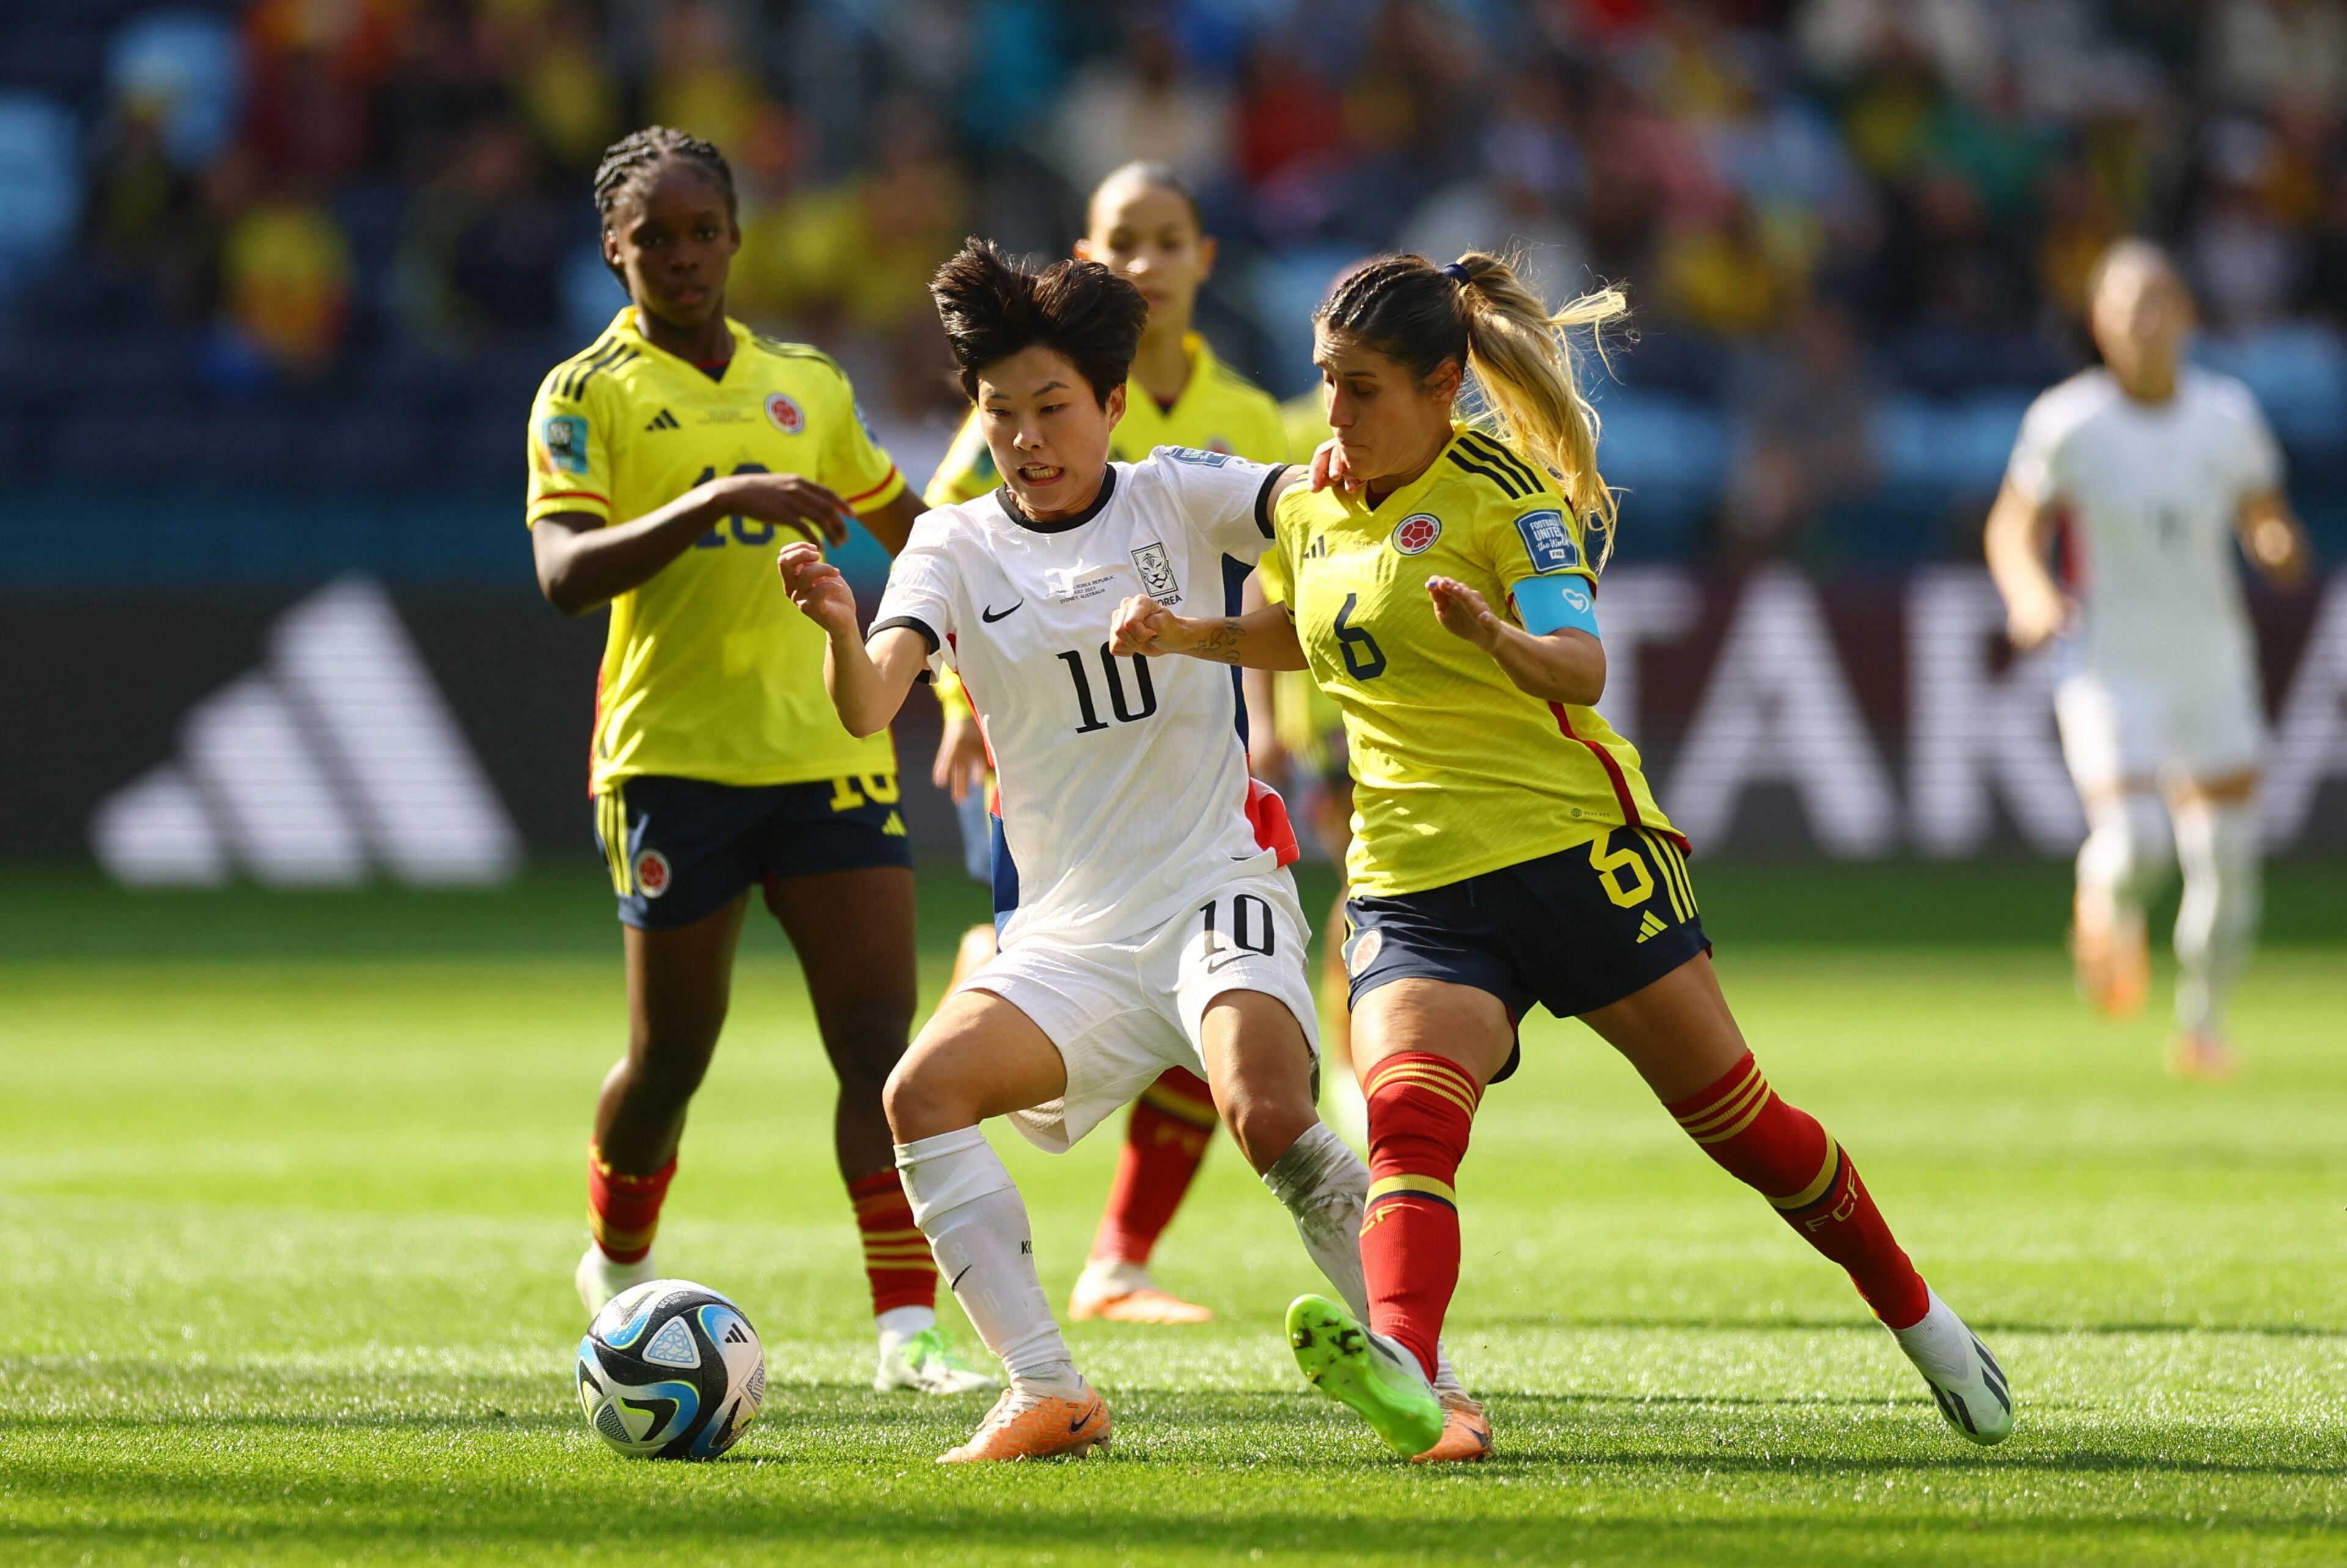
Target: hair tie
pixel 1456 272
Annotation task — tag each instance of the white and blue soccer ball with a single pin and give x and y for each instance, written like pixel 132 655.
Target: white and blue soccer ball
pixel 670 1369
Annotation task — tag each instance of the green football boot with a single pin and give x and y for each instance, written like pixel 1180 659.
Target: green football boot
pixel 1376 1378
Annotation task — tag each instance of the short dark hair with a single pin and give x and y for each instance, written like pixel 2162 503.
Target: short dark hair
pixel 630 162
pixel 993 307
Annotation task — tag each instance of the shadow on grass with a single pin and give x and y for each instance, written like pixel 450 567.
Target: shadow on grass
pixel 1854 1324
pixel 1084 1516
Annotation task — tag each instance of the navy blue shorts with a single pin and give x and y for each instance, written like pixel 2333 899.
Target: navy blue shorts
pixel 1573 931
pixel 680 849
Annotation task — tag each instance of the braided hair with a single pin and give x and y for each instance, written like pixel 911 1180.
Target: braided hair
pixel 629 162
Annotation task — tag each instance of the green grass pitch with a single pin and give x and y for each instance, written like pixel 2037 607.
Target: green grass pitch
pixel 290 1193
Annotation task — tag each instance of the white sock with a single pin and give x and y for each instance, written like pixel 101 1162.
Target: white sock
pixel 1938 1342
pixel 965 1202
pixel 2218 920
pixel 2124 857
pixel 1325 1188
pixel 899 1324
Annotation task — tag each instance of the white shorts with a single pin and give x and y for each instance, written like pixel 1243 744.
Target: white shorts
pixel 1121 1013
pixel 2120 727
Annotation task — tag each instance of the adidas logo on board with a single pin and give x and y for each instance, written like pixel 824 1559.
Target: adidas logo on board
pixel 336 757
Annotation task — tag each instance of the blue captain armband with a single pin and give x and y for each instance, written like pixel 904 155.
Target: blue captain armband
pixel 1561 602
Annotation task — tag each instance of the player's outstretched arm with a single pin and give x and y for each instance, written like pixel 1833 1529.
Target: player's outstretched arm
pixel 582 564
pixel 1262 639
pixel 867 681
pixel 2019 537
pixel 1567 665
pixel 2273 539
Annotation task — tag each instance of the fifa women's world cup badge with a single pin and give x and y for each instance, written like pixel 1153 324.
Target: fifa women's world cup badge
pixel 1415 535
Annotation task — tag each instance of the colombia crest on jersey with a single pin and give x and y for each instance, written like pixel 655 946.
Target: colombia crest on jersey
pixel 1459 772
pixel 710 672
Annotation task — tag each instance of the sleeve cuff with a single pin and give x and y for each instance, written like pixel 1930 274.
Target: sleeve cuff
pixel 879 496
pixel 910 624
pixel 1263 497
pixel 552 502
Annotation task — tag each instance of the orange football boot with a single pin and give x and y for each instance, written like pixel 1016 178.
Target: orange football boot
pixel 1114 1292
pixel 2200 1058
pixel 2114 962
pixel 1025 1424
pixel 1466 1433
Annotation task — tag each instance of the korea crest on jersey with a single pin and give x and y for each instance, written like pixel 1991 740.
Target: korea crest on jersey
pixel 1156 569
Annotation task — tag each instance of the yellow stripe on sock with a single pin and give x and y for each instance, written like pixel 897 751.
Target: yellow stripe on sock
pixel 1179 1107
pixel 1387 1186
pixel 1443 1085
pixel 1817 1189
pixel 1449 1070
pixel 1701 1124
pixel 1759 1103
pixel 611 1240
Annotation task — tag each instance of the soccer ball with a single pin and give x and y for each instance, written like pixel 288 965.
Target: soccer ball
pixel 670 1369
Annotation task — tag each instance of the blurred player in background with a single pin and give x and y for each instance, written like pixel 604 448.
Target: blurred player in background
pixel 665 461
pixel 1510 850
pixel 1148 918
pixel 1143 223
pixel 2149 469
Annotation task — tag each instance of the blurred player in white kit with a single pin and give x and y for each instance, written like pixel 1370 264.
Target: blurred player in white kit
pixel 2149 469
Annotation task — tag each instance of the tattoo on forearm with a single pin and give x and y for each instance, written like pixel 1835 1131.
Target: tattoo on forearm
pixel 1221 643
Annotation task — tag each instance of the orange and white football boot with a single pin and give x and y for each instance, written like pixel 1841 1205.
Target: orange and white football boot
pixel 1112 1291
pixel 1028 1424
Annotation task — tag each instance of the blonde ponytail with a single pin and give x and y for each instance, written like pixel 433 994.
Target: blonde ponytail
pixel 1522 363
pixel 1515 354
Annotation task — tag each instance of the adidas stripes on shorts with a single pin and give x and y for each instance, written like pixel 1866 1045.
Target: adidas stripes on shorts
pixel 1572 931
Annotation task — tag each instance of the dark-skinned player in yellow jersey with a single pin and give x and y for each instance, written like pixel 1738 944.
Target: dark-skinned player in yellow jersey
pixel 668 462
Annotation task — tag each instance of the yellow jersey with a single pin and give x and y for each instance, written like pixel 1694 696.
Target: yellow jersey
pixel 1219 411
pixel 710 672
pixel 1456 772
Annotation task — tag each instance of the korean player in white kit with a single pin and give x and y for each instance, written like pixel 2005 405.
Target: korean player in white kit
pixel 2150 469
pixel 1146 916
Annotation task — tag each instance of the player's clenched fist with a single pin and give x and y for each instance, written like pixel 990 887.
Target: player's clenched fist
pixel 819 591
pixel 1144 626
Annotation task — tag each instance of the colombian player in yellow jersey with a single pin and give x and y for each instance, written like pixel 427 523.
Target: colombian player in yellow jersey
pixel 1506 849
pixel 667 462
pixel 1143 223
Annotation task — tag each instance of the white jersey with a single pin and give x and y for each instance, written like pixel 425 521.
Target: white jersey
pixel 1122 783
pixel 2150 494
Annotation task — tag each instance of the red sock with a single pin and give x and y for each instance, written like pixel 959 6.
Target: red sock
pixel 895 1254
pixel 623 1211
pixel 1788 1159
pixel 1422 1110
pixel 1172 1122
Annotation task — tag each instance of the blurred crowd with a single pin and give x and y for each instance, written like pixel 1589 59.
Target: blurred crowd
pixel 251 244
